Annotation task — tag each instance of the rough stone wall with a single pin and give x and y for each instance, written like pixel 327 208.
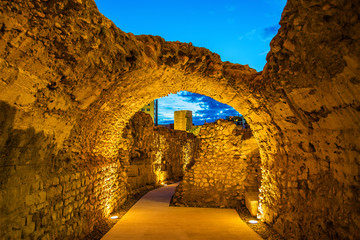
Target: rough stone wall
pixel 70 80
pixel 39 200
pixel 155 154
pixel 60 206
pixel 139 150
pixel 40 203
pixel 310 187
pixel 227 166
pixel 176 151
pixel 73 74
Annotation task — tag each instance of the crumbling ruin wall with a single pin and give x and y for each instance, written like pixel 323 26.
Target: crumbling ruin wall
pixel 39 200
pixel 155 154
pixel 70 81
pixel 176 151
pixel 138 150
pixel 310 186
pixel 227 166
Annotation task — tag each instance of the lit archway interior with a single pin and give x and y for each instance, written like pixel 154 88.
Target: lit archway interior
pixel 71 81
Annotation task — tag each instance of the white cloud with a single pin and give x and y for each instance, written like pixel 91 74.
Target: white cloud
pixel 173 103
pixel 202 107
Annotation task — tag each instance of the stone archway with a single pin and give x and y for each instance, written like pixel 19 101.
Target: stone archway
pixel 69 83
pixel 149 85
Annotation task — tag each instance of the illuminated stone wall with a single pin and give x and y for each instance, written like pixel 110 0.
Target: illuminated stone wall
pixel 176 151
pixel 227 166
pixel 40 200
pixel 138 150
pixel 71 80
pixel 155 154
pixel 310 186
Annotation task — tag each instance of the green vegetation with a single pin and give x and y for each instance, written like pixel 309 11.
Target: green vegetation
pixel 195 130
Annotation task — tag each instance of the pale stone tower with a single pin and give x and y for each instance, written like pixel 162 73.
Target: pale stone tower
pixel 183 120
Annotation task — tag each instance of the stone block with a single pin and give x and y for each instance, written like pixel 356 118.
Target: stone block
pixel 252 202
pixel 54 191
pixel 59 205
pixel 15 234
pixel 44 220
pixel 41 206
pixel 31 199
pixel 19 222
pixel 55 181
pixel 28 229
pixel 42 196
pixel 53 216
pixel 67 210
pixel 45 237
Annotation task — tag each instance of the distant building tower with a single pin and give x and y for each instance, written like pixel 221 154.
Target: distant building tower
pixel 152 109
pixel 183 120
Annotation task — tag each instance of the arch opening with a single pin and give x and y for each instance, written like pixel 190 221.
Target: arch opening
pixel 111 114
pixel 220 165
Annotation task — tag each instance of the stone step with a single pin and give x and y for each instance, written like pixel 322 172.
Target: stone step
pixel 252 202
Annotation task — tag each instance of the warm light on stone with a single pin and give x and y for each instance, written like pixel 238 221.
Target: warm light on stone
pixel 71 81
pixel 227 166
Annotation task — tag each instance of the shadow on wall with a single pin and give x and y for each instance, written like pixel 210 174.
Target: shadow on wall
pixel 6 124
pixel 25 157
pixel 21 149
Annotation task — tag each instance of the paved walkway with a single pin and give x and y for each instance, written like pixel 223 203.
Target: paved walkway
pixel 151 218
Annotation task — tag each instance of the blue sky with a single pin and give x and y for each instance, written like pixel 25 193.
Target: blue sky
pixel 203 108
pixel 239 31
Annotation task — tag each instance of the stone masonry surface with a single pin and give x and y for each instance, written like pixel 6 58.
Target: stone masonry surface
pixel 41 204
pixel 156 154
pixel 71 80
pixel 227 166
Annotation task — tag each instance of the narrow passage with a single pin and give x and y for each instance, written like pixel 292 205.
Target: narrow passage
pixel 152 218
